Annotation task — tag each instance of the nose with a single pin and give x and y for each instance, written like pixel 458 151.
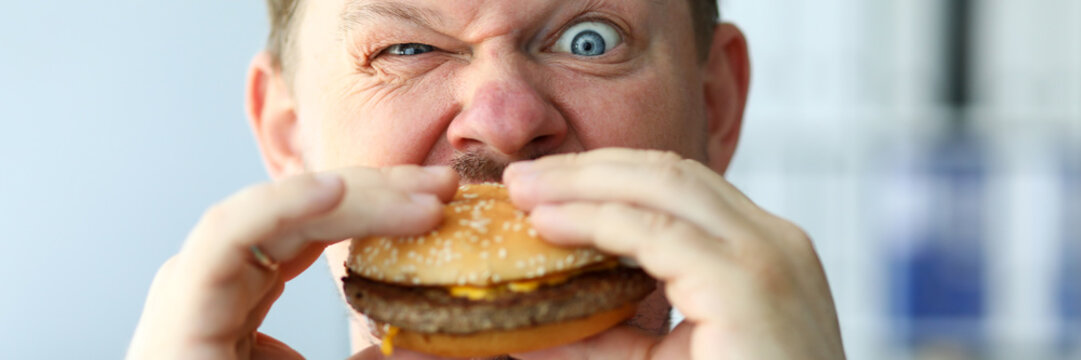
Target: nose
pixel 503 110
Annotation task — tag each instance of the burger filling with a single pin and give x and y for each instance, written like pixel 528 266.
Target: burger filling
pixel 511 305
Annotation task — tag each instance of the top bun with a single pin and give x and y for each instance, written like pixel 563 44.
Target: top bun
pixel 483 240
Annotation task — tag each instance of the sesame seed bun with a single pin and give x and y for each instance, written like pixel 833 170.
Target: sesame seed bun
pixel 483 240
pixel 483 283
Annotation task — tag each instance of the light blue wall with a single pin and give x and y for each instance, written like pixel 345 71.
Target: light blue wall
pixel 120 121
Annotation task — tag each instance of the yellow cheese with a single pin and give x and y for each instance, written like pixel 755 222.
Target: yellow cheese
pixel 473 293
pixel 522 286
pixel 388 341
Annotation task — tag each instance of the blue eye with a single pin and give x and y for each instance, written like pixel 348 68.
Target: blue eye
pixel 409 49
pixel 589 38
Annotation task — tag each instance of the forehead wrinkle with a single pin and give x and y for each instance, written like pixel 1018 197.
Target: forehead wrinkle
pixel 359 12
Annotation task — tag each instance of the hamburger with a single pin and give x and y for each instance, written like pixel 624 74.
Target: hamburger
pixel 484 283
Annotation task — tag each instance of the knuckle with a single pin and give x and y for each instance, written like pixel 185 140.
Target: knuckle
pixel 771 278
pixel 793 235
pixel 765 268
pixel 659 222
pixel 674 174
pixel 167 268
pixel 611 212
pixel 215 216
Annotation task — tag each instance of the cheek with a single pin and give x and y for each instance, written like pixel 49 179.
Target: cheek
pixel 385 124
pixel 648 109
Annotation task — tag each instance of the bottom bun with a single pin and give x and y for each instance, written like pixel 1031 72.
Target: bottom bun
pixel 491 343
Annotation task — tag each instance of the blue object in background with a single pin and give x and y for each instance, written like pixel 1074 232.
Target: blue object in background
pixel 1069 276
pixel 938 287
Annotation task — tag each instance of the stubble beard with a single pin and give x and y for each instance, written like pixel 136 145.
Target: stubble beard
pixel 478 166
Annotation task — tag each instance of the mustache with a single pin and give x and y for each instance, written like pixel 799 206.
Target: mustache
pixel 479 166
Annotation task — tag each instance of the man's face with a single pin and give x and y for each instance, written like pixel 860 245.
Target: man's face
pixel 490 82
pixel 479 84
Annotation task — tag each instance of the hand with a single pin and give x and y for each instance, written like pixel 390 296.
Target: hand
pixel 748 282
pixel 208 300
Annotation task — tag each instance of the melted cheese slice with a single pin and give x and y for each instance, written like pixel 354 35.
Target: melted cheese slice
pixel 387 347
pixel 522 286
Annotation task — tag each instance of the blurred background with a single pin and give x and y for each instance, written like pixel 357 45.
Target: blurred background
pixel 932 148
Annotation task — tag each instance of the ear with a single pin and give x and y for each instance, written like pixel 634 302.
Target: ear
pixel 727 80
pixel 273 117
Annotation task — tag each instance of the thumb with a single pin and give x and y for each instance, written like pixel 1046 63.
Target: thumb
pixel 619 343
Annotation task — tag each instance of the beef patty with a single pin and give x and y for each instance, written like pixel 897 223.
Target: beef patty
pixel 431 309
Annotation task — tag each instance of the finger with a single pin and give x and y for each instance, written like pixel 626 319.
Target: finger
pixel 268 348
pixel 683 188
pixel 619 343
pixel 258 314
pixel 283 219
pixel 441 181
pixel 612 154
pixel 291 269
pixel 222 241
pixel 665 246
pixel 668 248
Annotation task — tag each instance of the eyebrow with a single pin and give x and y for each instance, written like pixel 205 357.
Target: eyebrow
pixel 359 12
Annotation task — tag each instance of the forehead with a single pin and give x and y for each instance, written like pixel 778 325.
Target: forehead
pixel 459 14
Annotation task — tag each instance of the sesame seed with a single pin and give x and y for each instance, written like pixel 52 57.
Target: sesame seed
pixel 540 271
pixel 532 232
pixel 502 253
pixel 570 259
pixel 519 264
pixel 483 254
pixel 496 278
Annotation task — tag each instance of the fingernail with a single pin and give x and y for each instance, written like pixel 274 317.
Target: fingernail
pixel 327 188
